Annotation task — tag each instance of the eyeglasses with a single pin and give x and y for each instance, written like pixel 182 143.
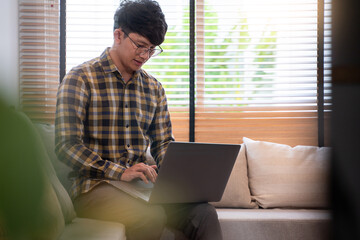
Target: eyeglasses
pixel 153 52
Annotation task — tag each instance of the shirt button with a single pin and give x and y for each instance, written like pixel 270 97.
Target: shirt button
pixel 127 125
pixel 126 106
pixel 128 145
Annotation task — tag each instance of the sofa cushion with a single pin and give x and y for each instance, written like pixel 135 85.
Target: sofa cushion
pixel 282 176
pixel 46 132
pixel 91 229
pixel 275 224
pixel 237 192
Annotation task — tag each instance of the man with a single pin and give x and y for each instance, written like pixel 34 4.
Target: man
pixel 109 111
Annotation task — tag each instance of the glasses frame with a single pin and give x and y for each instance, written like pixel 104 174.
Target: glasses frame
pixel 152 52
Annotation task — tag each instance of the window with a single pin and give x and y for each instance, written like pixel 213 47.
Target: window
pixel 257 71
pixel 261 68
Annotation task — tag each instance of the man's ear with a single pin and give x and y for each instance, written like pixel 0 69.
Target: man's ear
pixel 118 35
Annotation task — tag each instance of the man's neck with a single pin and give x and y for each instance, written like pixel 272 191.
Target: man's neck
pixel 126 77
pixel 125 74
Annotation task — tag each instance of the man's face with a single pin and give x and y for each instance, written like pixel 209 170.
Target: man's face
pixel 132 51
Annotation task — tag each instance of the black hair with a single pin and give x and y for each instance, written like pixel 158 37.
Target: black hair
pixel 143 17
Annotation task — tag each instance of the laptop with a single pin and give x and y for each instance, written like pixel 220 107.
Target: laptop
pixel 190 172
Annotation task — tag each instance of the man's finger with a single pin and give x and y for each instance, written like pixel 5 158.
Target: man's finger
pixel 151 174
pixel 147 171
pixel 142 176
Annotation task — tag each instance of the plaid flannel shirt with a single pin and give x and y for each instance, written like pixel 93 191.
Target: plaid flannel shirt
pixel 104 125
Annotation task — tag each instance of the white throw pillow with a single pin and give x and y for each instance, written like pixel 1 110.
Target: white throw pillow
pixel 284 176
pixel 237 192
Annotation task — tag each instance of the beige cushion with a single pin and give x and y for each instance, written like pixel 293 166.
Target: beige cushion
pixel 282 176
pixel 46 133
pixel 237 192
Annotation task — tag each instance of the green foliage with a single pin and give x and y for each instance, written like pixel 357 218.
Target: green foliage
pixel 230 54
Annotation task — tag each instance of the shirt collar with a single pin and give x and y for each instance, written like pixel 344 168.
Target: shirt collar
pixel 109 66
pixel 106 62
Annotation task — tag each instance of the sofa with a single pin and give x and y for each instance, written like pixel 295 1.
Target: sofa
pixel 274 192
pixel 277 192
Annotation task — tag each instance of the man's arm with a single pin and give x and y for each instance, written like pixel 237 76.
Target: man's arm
pixel 160 131
pixel 71 109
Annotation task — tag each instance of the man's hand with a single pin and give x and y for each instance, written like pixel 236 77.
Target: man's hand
pixel 142 171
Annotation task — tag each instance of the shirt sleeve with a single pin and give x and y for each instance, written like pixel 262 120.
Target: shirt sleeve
pixel 160 130
pixel 71 109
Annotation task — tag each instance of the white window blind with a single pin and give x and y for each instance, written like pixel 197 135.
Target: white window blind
pixel 39 57
pixel 89 29
pixel 171 67
pixel 327 70
pixel 256 71
pixel 255 62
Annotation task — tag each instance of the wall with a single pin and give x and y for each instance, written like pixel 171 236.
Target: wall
pixel 9 83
